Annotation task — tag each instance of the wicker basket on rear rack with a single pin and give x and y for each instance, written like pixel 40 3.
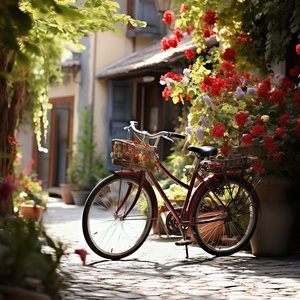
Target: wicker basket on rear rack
pixel 236 163
pixel 132 155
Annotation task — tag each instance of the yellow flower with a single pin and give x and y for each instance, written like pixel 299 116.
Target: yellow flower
pixel 265 118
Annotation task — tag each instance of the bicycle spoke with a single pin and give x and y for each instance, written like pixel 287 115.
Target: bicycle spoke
pixel 117 218
pixel 226 217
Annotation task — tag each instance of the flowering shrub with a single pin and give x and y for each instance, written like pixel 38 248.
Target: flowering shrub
pixel 232 108
pixel 28 188
pixel 229 106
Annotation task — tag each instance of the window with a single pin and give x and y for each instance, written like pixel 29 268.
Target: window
pixel 144 10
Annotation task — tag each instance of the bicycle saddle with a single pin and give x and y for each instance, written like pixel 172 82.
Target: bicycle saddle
pixel 204 151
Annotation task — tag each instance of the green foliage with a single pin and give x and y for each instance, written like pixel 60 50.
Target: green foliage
pixel 29 258
pixel 271 25
pixel 37 30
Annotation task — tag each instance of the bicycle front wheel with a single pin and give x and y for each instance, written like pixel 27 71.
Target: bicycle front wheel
pixel 117 216
pixel 226 216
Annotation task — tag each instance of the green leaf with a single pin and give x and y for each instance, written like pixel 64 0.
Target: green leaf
pixel 21 19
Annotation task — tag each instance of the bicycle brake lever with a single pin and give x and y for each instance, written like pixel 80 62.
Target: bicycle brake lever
pixel 167 138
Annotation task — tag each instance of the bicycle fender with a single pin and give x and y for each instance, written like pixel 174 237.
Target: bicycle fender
pixel 147 186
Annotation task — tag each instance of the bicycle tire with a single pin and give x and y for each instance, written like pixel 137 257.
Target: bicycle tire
pixel 228 216
pixel 112 226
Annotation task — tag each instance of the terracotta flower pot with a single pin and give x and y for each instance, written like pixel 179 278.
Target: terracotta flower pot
pixel 210 231
pixel 66 194
pixel 273 234
pixel 28 211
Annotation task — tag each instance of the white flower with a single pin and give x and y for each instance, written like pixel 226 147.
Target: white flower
pixel 185 81
pixel 186 72
pixel 169 81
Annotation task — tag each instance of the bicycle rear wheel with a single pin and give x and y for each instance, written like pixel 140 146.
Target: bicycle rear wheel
pixel 226 216
pixel 117 217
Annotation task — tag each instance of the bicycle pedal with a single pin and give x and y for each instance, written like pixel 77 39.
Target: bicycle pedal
pixel 183 242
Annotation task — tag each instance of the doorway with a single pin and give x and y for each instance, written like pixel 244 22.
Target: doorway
pixel 52 166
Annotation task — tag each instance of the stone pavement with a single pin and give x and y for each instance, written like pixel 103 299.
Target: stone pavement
pixel 159 269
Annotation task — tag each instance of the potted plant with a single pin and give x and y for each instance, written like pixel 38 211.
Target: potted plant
pixel 26 268
pixel 29 258
pixel 29 199
pixel 230 108
pixel 66 188
pixel 86 169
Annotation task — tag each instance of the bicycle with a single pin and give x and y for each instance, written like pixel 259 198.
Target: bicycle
pixel 220 209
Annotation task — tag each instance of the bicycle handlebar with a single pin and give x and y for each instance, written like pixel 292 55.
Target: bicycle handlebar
pixel 165 134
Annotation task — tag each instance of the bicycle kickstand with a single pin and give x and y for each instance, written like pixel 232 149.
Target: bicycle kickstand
pixel 185 241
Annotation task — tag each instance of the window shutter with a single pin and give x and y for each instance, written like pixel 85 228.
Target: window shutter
pixel 145 10
pixel 119 112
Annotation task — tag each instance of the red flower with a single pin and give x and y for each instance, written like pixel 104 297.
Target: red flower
pixel 287 84
pixel 207 33
pixel 298 49
pixel 183 8
pixel 270 146
pixel 279 132
pixel 173 41
pixel 168 17
pixel 297 99
pixel 179 97
pixel 218 130
pixel 127 154
pixel 247 139
pixel 166 93
pixel 189 53
pixel 225 149
pixel 210 17
pixel 189 28
pixel 258 166
pixel 258 130
pixel 277 97
pixel 263 91
pixel 229 54
pixel 165 44
pixel 12 140
pixel 227 66
pixel 137 157
pixel 178 34
pixel 284 120
pixel 241 118
pixel 244 38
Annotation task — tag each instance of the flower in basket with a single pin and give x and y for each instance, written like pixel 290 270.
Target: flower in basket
pixel 230 108
pixel 28 188
pixel 133 155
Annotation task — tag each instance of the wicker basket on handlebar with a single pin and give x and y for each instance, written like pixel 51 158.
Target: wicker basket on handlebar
pixel 132 155
pixel 234 164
